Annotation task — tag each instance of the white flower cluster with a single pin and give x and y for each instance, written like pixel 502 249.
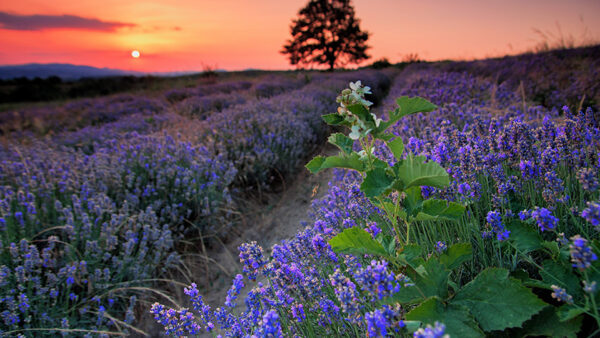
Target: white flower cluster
pixel 355 95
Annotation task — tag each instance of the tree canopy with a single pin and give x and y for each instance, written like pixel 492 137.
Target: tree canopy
pixel 326 32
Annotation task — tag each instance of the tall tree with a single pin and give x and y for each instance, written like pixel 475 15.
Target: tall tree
pixel 326 32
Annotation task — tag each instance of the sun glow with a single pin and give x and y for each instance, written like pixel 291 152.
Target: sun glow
pixel 135 54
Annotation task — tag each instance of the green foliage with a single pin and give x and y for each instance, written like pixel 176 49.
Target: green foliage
pixel 406 106
pixel 349 162
pixel 341 141
pixel 358 242
pixel 524 238
pixel 546 323
pixel 456 254
pixel 434 209
pixel 459 322
pixel 376 182
pixel 397 147
pixel 498 301
pixel 414 171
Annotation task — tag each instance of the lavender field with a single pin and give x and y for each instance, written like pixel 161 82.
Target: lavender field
pixel 496 234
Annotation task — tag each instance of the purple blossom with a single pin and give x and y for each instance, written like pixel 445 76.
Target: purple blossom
pixel 582 255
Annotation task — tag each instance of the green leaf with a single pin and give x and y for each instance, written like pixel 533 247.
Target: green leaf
pixel 456 255
pixel 525 238
pixel 431 279
pixel 376 182
pixel 568 312
pixel 341 141
pixel 397 147
pixel 498 301
pixel 525 280
pixel 388 242
pixel 554 273
pixel 360 111
pixel 552 248
pixel 412 251
pixel 383 136
pixel 356 241
pixel 349 162
pixel 406 295
pixel 412 325
pixel 335 119
pixel 546 323
pixel 413 200
pixel 411 105
pixel 459 322
pixel 413 171
pixel 406 106
pixel 434 209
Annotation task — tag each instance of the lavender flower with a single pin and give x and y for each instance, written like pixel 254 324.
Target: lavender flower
pixel 494 219
pixel 561 294
pixel 440 247
pixel 437 331
pixel 592 213
pixel 582 255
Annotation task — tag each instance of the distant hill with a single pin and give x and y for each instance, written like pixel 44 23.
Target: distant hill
pixel 62 70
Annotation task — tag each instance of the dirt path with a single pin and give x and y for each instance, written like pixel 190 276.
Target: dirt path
pixel 280 219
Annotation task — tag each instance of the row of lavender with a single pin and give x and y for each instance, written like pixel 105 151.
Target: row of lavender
pixel 529 180
pixel 553 79
pixel 198 101
pixel 86 233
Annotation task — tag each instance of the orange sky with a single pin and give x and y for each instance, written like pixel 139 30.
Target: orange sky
pixel 179 35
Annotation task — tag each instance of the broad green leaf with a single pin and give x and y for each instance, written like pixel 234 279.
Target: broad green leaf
pixel 341 141
pixel 376 182
pixel 388 242
pixel 431 279
pixel 411 105
pixel 413 200
pixel 397 147
pixel 434 209
pixel 362 112
pixel 546 323
pixel 410 254
pixel 412 325
pixel 414 171
pixel 406 106
pixel 554 273
pixel 459 322
pixel 350 162
pixel 525 280
pixel 568 312
pixel 456 254
pixel 525 238
pixel 356 241
pixel 552 248
pixel 498 301
pixel 377 163
pixel 335 119
pixel 383 136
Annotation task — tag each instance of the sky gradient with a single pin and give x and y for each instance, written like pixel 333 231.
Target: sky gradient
pixel 180 35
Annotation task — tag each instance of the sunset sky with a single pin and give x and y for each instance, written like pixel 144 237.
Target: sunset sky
pixel 178 35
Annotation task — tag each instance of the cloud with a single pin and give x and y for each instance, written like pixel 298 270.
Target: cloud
pixel 38 22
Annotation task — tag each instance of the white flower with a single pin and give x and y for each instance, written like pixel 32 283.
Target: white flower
pixel 355 133
pixel 355 85
pixel 363 153
pixel 377 121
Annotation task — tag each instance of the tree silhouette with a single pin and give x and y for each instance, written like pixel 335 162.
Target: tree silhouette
pixel 326 32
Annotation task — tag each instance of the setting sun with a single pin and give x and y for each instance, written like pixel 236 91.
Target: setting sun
pixel 135 54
